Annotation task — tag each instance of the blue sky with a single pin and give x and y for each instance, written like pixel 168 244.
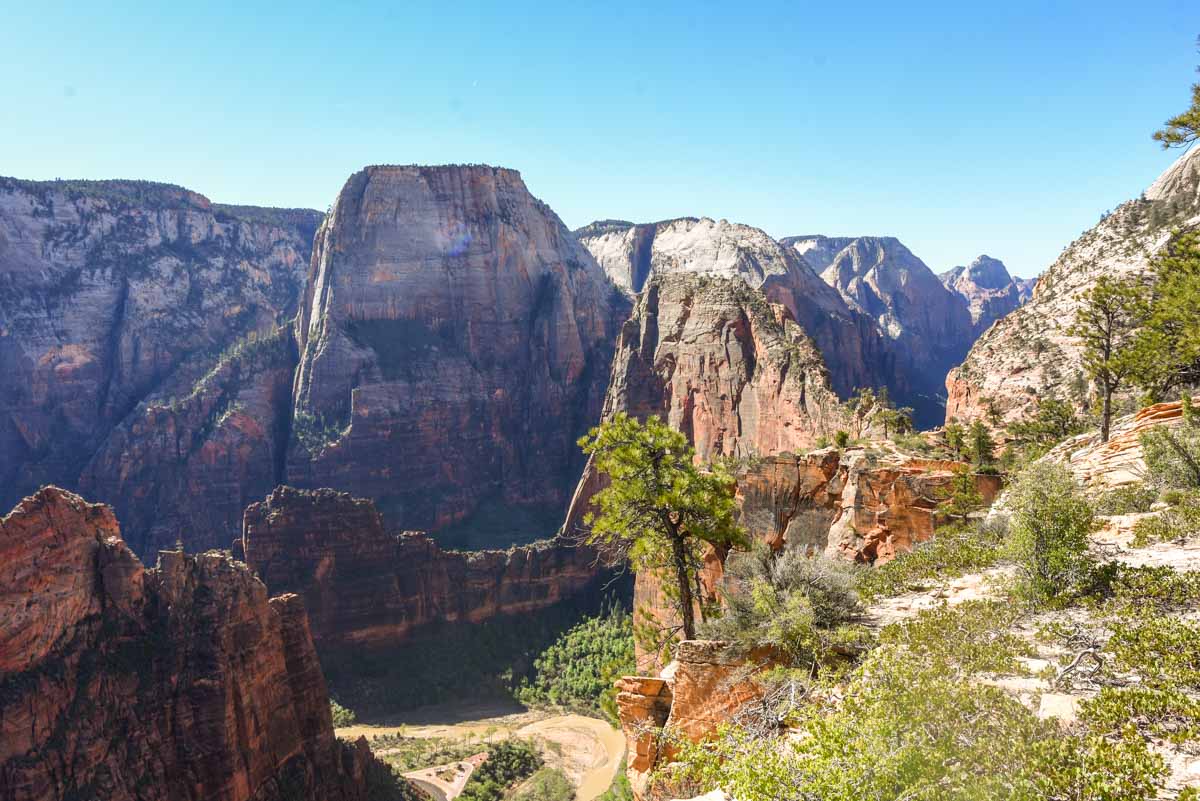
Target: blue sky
pixel 962 128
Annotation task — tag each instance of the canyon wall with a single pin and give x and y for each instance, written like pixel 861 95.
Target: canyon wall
pixel 455 342
pixel 1028 354
pixel 928 327
pixel 116 296
pixel 363 585
pixel 634 255
pixel 184 681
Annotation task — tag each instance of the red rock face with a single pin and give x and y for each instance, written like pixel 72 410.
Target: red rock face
pixel 179 682
pixel 188 468
pixel 455 340
pixel 365 586
pixel 705 687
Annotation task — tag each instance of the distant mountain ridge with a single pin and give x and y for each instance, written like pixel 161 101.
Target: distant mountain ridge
pixel 988 289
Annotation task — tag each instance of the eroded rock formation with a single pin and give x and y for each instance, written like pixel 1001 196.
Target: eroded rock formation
pixel 632 255
pixel 988 289
pixel 116 295
pixel 1029 355
pixel 364 585
pixel 702 689
pixel 455 341
pixel 179 682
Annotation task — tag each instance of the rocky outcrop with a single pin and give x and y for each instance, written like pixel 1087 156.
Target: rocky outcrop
pixel 455 341
pixel 855 505
pixel 989 291
pixel 633 255
pixel 1028 355
pixel 929 326
pixel 1107 465
pixel 365 586
pixel 179 682
pixel 119 294
pixel 702 689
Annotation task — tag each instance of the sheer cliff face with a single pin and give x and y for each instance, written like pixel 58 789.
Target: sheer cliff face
pixel 634 254
pixel 117 293
pixel 364 586
pixel 988 289
pixel 1028 354
pixel 714 359
pixel 180 682
pixel 455 341
pixel 929 327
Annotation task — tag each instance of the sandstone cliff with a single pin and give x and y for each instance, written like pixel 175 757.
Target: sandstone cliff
pixel 632 255
pixel 929 327
pixel 179 682
pixel 1028 354
pixel 455 341
pixel 988 289
pixel 365 586
pixel 115 294
pixel 712 358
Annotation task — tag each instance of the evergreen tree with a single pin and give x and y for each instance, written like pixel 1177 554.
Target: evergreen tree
pixel 659 508
pixel 956 438
pixel 1108 322
pixel 983 449
pixel 1169 342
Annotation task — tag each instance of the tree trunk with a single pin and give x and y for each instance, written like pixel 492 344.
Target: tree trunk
pixel 1106 414
pixel 687 611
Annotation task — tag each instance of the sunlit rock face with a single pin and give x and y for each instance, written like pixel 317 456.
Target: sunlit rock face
pixel 928 327
pixel 117 298
pixel 633 255
pixel 184 681
pixel 1028 355
pixel 988 289
pixel 455 340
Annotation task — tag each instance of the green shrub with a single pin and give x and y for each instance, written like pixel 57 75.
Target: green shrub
pixel 953 551
pixel 578 670
pixel 1180 522
pixel 341 715
pixel 841 439
pixel 1048 536
pixel 791 603
pixel 1125 500
pixel 1173 454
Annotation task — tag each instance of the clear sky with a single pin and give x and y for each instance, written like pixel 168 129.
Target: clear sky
pixel 1003 128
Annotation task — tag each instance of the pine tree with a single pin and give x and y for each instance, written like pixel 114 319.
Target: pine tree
pixel 1182 129
pixel 1107 322
pixel 983 449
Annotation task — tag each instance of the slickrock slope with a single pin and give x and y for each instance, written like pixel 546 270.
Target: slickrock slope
pixel 179 682
pixel 1105 465
pixel 929 326
pixel 632 255
pixel 455 341
pixel 365 586
pixel 1029 355
pixel 988 289
pixel 113 293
